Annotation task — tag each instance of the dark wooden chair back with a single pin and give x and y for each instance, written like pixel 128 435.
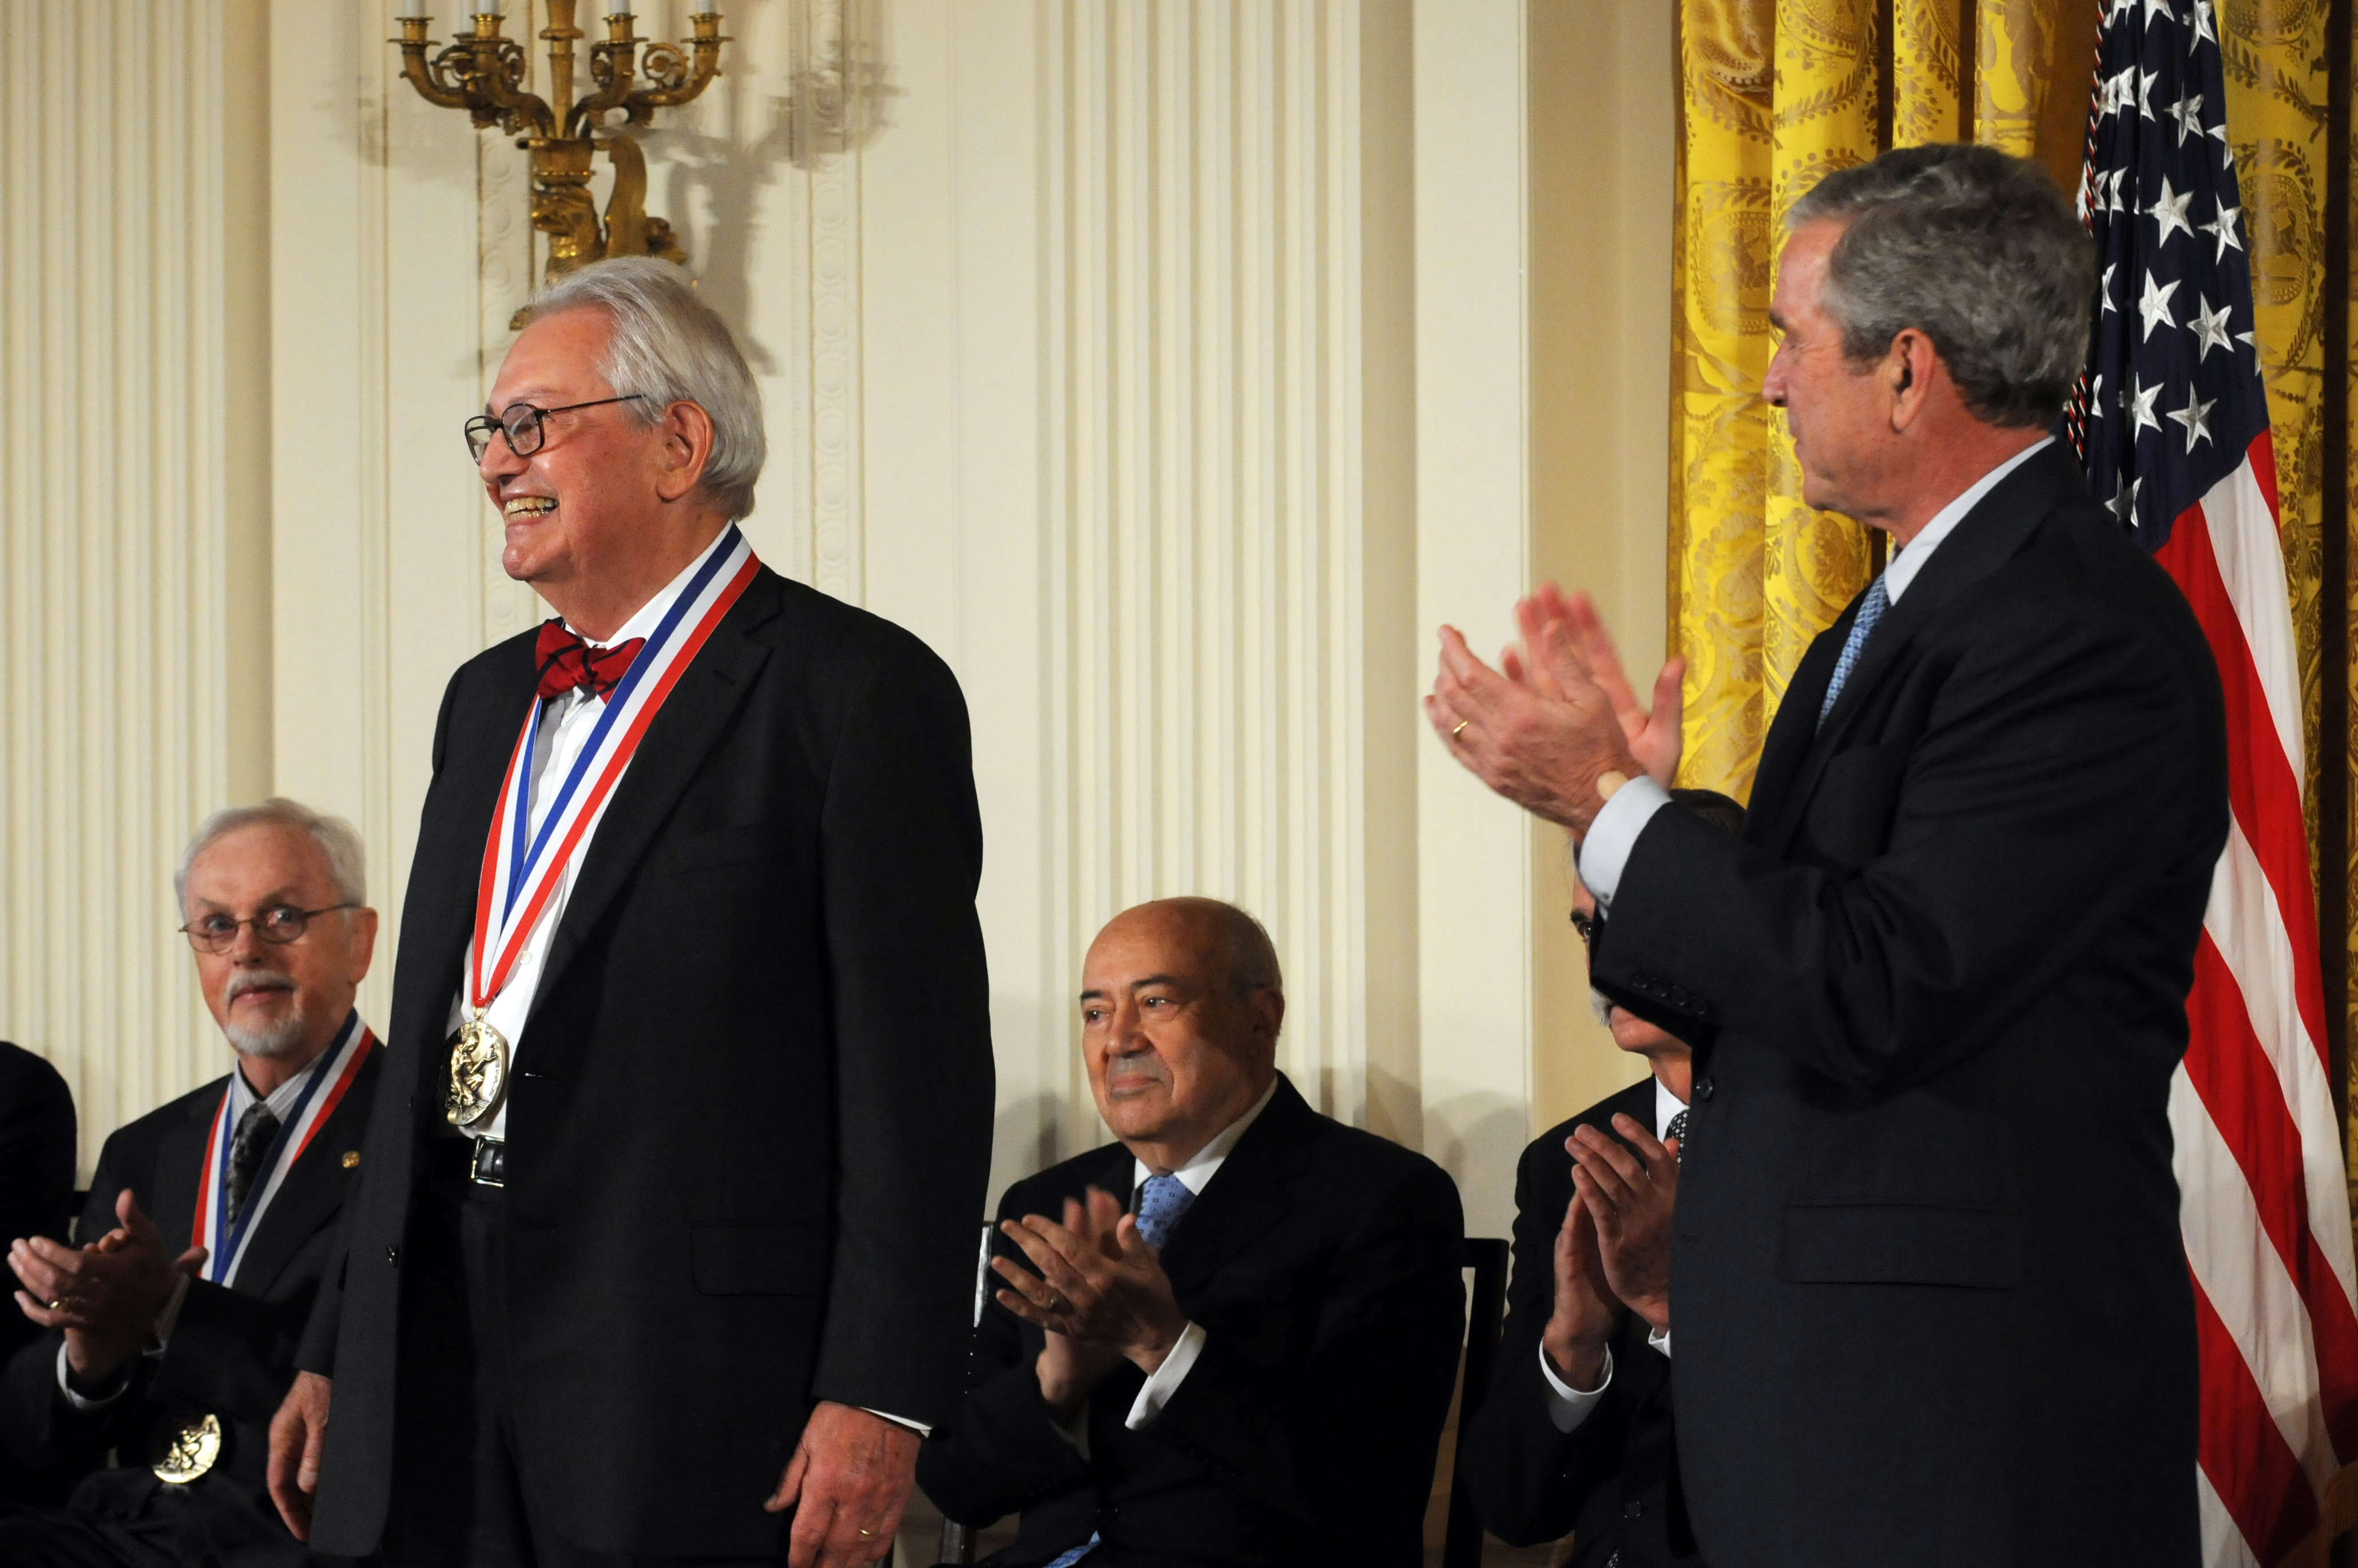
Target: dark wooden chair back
pixel 1486 1316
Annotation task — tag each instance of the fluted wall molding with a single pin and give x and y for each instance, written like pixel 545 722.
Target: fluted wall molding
pixel 118 437
pixel 1202 445
pixel 1169 367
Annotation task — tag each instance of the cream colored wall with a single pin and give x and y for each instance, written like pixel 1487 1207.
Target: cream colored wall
pixel 1173 369
pixel 133 578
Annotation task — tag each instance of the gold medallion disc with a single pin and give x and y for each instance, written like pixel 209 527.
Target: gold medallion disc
pixel 193 1449
pixel 479 1073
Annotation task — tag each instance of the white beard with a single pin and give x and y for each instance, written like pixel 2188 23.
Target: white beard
pixel 268 1039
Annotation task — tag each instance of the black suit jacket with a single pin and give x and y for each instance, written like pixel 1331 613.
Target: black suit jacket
pixel 750 1121
pixel 1931 1300
pixel 232 1353
pixel 1322 1264
pixel 37 1165
pixel 1612 1484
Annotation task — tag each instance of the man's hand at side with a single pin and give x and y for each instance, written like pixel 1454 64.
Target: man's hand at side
pixel 297 1433
pixel 1585 1309
pixel 1100 1283
pixel 848 1482
pixel 108 1292
pixel 1631 1196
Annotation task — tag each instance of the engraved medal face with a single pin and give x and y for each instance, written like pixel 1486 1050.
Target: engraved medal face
pixel 189 1451
pixel 479 1073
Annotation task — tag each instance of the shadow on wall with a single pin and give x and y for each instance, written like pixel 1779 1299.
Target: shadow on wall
pixel 1467 1131
pixel 838 95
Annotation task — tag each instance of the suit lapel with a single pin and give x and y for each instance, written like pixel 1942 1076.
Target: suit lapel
pixel 1249 1193
pixel 438 913
pixel 313 1187
pixel 180 1155
pixel 691 720
pixel 1985 539
pixel 1788 745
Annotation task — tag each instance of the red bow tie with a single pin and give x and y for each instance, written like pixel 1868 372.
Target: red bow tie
pixel 568 664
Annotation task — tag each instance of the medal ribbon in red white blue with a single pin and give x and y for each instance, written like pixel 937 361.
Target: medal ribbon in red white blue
pixel 325 1083
pixel 523 870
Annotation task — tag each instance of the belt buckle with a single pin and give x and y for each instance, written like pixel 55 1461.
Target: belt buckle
pixel 489 1168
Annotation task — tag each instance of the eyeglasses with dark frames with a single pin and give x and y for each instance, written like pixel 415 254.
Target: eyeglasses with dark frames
pixel 522 424
pixel 279 925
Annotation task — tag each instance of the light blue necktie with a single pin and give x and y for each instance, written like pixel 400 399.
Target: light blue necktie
pixel 1870 611
pixel 1160 1202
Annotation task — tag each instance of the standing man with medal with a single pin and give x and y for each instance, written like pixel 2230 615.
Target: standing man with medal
pixel 665 1248
pixel 169 1336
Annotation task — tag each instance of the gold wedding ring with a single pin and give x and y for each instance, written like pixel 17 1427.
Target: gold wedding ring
pixel 59 1305
pixel 866 1533
pixel 1461 725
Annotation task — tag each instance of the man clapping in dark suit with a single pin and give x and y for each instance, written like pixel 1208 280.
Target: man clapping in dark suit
pixel 1229 1338
pixel 1932 1299
pixel 1577 1436
pixel 176 1360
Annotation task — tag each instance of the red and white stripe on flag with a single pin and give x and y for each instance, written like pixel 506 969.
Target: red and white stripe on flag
pixel 2171 421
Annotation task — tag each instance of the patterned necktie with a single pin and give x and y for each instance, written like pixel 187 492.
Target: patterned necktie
pixel 1160 1202
pixel 255 1128
pixel 1870 611
pixel 567 662
pixel 1678 1130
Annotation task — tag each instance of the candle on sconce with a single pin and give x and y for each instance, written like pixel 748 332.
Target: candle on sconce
pixel 413 7
pixel 617 8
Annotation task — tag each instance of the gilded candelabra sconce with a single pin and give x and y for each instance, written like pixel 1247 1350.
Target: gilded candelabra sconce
pixel 483 73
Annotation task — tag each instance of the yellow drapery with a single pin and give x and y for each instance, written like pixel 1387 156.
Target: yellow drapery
pixel 1774 95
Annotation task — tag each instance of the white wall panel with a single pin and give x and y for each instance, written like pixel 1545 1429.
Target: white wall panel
pixel 1168 365
pixel 120 666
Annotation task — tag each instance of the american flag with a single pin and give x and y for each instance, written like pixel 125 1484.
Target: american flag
pixel 2172 420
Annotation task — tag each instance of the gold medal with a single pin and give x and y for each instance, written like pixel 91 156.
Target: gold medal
pixel 191 1449
pixel 479 1073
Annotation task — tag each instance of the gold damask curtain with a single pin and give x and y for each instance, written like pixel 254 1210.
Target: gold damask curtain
pixel 1774 93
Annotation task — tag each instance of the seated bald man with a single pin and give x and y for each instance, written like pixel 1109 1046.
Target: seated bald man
pixel 1229 1337
pixel 168 1339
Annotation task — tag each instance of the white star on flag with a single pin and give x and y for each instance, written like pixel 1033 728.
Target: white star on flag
pixel 2223 226
pixel 2196 417
pixel 2168 211
pixel 2105 291
pixel 2123 503
pixel 2141 409
pixel 2154 306
pixel 2187 112
pixel 2202 25
pixel 2208 326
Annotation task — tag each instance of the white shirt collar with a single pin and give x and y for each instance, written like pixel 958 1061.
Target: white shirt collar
pixel 281 1099
pixel 1913 556
pixel 1665 1105
pixel 648 616
pixel 1206 1161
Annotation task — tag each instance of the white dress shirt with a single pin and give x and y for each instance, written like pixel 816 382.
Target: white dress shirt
pixel 565 724
pixel 1614 834
pixel 281 1102
pixel 1567 1407
pixel 1194 1175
